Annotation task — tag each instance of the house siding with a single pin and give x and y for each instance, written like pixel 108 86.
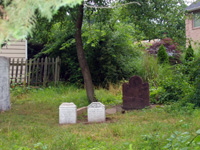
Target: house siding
pixel 14 49
pixel 192 33
pixel 17 50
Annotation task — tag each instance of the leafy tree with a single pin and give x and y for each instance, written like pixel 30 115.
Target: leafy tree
pixel 109 50
pixel 112 52
pixel 81 55
pixel 76 16
pixel 155 17
pixel 162 56
pixel 149 18
pixel 78 19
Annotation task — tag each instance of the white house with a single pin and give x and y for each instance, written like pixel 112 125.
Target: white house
pixel 15 49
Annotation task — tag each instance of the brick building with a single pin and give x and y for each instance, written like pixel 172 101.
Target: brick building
pixel 193 23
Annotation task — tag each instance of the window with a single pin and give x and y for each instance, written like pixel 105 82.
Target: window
pixel 197 19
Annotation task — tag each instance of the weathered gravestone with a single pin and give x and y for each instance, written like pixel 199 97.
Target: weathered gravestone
pixel 67 113
pixel 96 112
pixel 135 94
pixel 4 84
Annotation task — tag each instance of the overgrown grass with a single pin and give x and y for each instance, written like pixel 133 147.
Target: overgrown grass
pixel 54 96
pixel 32 123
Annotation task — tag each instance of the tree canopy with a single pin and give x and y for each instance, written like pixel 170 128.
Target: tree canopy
pixel 105 35
pixel 108 35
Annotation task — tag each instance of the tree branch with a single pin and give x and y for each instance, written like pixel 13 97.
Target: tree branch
pixel 111 7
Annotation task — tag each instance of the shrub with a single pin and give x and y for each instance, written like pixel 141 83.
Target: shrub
pixel 172 88
pixel 110 54
pixel 189 53
pixel 194 96
pixel 162 55
pixel 172 48
pixel 171 85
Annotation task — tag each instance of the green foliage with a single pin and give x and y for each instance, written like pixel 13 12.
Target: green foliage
pixel 170 85
pixel 191 69
pixel 152 20
pixel 177 83
pixel 177 140
pixel 108 35
pixel 173 88
pixel 33 124
pixel 18 90
pixel 183 140
pixel 52 95
pixel 20 22
pixel 63 93
pixel 189 55
pixel 151 141
pixel 193 96
pixel 61 43
pixel 107 98
pixel 162 55
pixel 181 107
pixel 146 66
pixel 111 51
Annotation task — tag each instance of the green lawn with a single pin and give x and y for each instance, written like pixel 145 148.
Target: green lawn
pixel 32 123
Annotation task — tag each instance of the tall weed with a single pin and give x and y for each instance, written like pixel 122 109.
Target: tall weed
pixel 147 67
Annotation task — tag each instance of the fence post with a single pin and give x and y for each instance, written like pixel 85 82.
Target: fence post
pixel 29 72
pixel 25 74
pixel 41 70
pixel 21 71
pixel 56 68
pixel 12 72
pixel 37 70
pixel 53 69
pixel 33 72
pixel 49 69
pixel 9 70
pixel 59 65
pixel 45 72
pixel 16 73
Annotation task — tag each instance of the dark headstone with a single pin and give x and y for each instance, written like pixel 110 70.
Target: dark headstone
pixel 135 94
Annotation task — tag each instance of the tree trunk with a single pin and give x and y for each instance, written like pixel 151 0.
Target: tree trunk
pixel 81 57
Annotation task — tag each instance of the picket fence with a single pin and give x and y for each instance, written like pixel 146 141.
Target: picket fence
pixel 35 72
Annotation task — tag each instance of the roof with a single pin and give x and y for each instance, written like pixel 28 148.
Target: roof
pixel 194 6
